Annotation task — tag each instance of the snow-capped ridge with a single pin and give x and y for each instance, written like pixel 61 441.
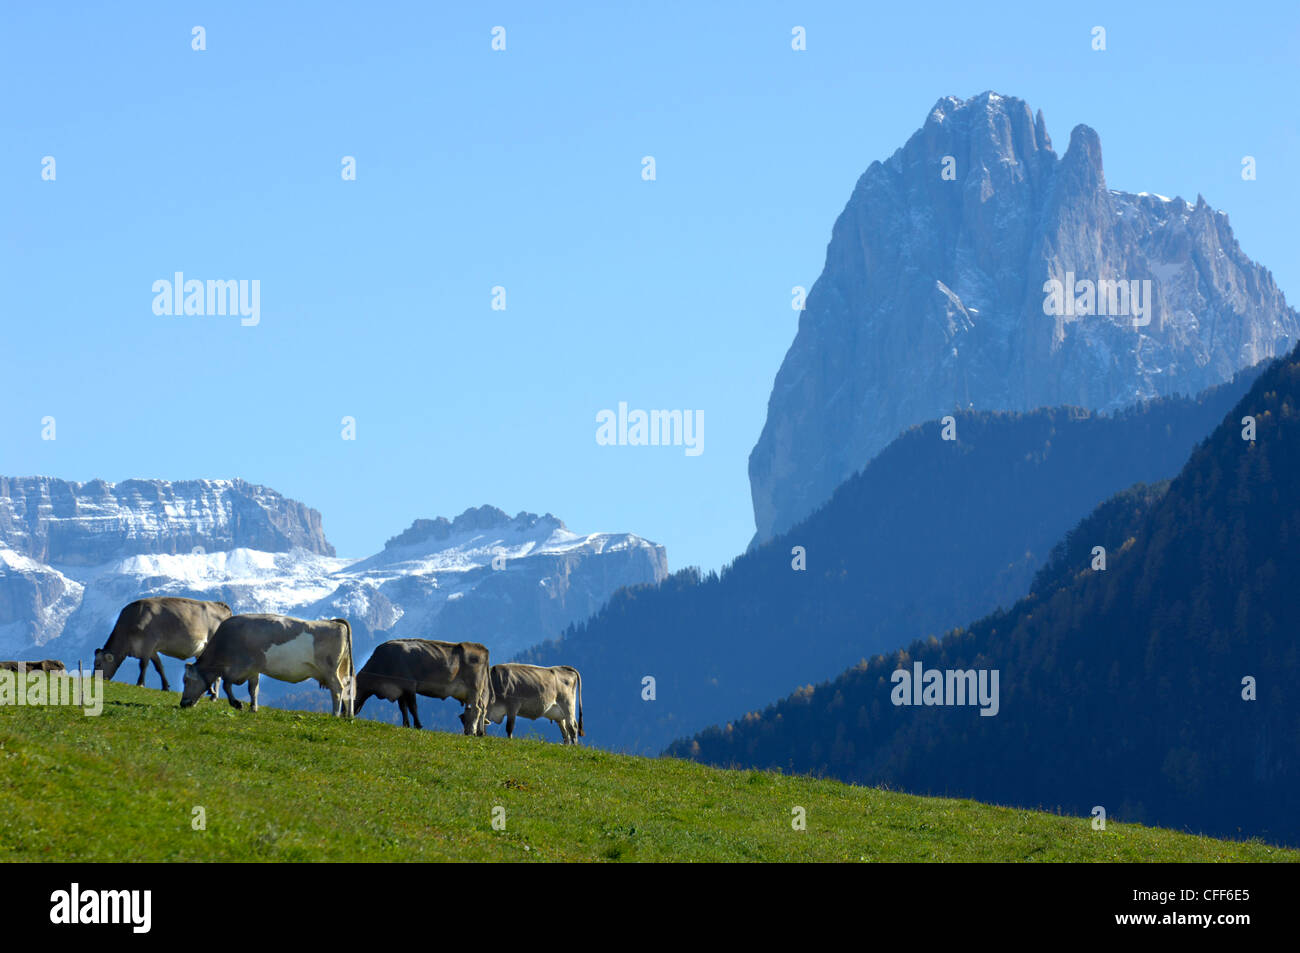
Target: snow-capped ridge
pixel 65 522
pixel 483 576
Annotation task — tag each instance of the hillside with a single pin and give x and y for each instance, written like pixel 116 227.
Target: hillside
pixel 930 535
pixel 294 786
pixel 1124 687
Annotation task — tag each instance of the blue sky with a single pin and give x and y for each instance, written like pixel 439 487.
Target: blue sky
pixel 521 169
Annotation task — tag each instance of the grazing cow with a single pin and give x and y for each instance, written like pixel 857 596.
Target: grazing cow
pixel 48 665
pixel 404 668
pixel 169 625
pixel 536 692
pixel 246 647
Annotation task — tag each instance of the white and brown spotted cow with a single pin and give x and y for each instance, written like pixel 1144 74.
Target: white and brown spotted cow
pixel 536 692
pixel 401 669
pixel 163 625
pixel 246 647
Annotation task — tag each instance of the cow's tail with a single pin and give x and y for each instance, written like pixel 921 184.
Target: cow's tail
pixel 581 733
pixel 485 695
pixel 350 689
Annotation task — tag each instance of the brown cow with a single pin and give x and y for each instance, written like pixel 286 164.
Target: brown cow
pixel 169 625
pixel 401 669
pixel 537 692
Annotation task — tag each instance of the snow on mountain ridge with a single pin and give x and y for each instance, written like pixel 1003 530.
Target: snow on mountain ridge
pixel 473 547
pixel 60 521
pixel 35 600
pixel 550 577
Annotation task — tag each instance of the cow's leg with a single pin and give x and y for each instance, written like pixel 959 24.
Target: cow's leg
pixel 510 721
pixel 252 689
pixel 405 706
pixel 144 667
pixel 336 691
pixel 157 664
pixel 412 703
pixel 229 688
pixel 214 689
pixel 571 722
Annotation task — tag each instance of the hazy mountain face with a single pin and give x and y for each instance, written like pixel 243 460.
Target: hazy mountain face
pixel 932 299
pixel 72 555
pixel 931 534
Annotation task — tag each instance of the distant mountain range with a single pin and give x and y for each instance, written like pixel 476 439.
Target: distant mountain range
pixel 932 300
pixel 1160 686
pixel 931 534
pixel 72 555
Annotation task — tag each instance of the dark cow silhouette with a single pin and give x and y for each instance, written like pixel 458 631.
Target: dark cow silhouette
pixel 404 668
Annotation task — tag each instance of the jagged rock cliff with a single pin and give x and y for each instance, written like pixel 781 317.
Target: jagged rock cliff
pixel 87 524
pixel 932 299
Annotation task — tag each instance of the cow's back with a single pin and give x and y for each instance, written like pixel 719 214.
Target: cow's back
pixel 528 685
pixel 411 660
pixel 192 615
pixel 279 646
pixel 241 639
pixel 182 626
pixel 429 666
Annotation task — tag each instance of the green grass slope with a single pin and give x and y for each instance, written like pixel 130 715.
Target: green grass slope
pixel 294 786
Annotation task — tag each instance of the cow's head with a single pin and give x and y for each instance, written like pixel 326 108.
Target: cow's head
pixel 107 663
pixel 470 719
pixel 196 685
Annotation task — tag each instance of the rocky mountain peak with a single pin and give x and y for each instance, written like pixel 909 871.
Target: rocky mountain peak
pixel 474 519
pixel 932 298
pixel 1083 159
